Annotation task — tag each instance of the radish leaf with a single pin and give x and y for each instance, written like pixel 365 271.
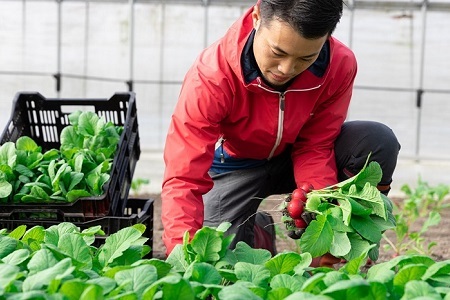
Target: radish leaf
pixel 318 237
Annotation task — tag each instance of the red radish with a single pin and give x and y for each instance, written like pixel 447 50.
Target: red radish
pixel 295 208
pixel 307 187
pixel 299 194
pixel 300 223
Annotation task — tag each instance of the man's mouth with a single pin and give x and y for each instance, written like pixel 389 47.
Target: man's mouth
pixel 279 78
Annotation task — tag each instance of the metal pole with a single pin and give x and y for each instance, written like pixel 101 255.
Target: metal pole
pixel 131 45
pixel 421 75
pixel 86 47
pixel 161 72
pixel 351 7
pixel 206 27
pixel 57 76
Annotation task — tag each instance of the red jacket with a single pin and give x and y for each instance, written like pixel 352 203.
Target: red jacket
pixel 255 121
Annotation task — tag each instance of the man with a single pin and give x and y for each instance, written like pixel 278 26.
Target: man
pixel 261 111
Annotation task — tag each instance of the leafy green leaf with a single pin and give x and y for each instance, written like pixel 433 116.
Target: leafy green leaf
pixel 244 253
pixel 348 289
pixel 256 274
pixel 116 244
pixel 203 272
pixel 340 245
pixel 285 263
pixel 138 278
pixel 207 244
pixel 44 277
pixel 318 237
pixel 292 283
pixel 17 257
pixel 416 289
pixel 8 154
pixel 366 228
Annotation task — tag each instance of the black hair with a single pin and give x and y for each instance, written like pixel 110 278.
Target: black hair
pixel 310 18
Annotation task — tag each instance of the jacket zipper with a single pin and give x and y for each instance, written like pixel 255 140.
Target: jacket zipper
pixel 281 101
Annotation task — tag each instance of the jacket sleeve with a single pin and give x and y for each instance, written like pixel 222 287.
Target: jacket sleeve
pixel 313 152
pixel 188 154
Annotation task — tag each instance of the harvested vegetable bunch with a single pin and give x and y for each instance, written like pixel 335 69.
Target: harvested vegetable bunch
pixel 350 216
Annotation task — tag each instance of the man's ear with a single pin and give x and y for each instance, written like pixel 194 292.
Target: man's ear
pixel 256 17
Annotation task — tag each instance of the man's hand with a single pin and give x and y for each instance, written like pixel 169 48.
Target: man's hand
pixel 294 216
pixel 297 227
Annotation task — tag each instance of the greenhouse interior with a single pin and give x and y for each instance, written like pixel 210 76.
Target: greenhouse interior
pixel 95 48
pixel 111 190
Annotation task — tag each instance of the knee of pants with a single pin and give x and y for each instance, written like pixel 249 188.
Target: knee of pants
pixel 357 140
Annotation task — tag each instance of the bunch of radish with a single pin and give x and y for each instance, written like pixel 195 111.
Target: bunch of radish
pixel 346 219
pixel 293 208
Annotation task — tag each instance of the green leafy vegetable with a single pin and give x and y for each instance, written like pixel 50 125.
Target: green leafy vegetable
pixel 350 217
pixel 80 168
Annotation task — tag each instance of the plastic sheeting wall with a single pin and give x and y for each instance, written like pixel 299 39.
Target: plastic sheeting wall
pixel 95 48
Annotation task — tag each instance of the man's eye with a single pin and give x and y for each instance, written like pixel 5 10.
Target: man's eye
pixel 277 54
pixel 307 60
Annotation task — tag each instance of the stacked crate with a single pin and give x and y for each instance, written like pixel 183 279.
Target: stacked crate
pixel 43 119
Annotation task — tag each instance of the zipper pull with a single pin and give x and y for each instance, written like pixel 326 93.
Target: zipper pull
pixel 222 157
pixel 282 101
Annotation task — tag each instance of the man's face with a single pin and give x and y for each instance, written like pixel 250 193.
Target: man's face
pixel 280 52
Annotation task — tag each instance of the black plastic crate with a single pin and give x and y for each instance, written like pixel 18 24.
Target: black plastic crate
pixel 137 211
pixel 43 119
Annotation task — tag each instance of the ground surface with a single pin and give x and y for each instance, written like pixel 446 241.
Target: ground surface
pixel 439 234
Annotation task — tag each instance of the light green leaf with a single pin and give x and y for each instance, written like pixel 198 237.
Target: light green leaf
pixel 5 189
pixel 293 283
pixel 244 253
pixel 18 232
pixel 318 237
pixel 346 208
pixel 439 268
pixel 371 173
pixel 8 274
pixel 35 233
pixel 203 272
pixel 348 289
pixel 177 259
pixel 73 289
pixel 256 274
pixel 138 278
pixel 54 232
pixel 8 154
pixel 366 228
pixel 434 218
pixel 173 287
pixel 17 257
pixel 107 284
pixel 340 245
pixel 207 244
pixel 92 292
pixel 359 246
pixel 27 144
pixel 370 197
pixel 75 247
pixel 44 277
pixel 285 262
pixel 416 289
pixel 41 260
pixel 409 273
pixel 116 244
pixel 238 291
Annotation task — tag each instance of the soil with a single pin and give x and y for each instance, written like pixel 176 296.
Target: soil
pixel 439 234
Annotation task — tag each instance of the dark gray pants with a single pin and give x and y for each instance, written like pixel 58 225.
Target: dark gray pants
pixel 236 195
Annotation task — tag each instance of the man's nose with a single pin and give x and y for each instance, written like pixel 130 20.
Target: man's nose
pixel 287 67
